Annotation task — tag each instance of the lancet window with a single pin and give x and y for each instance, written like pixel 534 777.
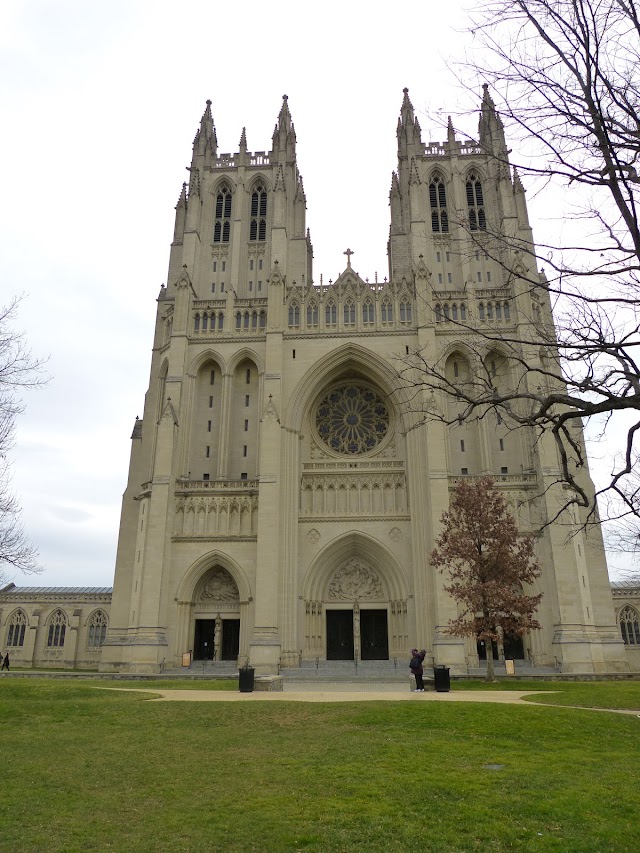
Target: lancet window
pixel 368 312
pixel 349 313
pixel 438 201
pixel 294 314
pixel 258 225
pixel 330 314
pixel 222 224
pixel 405 312
pixel 475 204
pixel 629 626
pixel 97 629
pixel 312 314
pixel 387 311
pixel 57 629
pixel 17 628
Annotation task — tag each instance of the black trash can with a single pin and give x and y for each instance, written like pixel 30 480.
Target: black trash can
pixel 441 679
pixel 245 682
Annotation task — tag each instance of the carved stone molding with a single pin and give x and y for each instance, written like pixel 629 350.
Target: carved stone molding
pixel 356 581
pixel 219 587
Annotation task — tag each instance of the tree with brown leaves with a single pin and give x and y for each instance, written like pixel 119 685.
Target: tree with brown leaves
pixel 488 562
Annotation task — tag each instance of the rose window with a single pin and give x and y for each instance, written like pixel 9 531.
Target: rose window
pixel 352 419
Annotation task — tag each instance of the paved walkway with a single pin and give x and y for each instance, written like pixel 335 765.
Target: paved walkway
pixel 328 694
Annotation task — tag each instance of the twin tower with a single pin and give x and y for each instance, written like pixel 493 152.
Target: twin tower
pixel 282 502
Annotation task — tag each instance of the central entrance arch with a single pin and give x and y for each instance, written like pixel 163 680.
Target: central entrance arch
pixel 355 602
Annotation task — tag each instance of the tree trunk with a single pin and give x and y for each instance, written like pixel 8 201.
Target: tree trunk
pixel 491 673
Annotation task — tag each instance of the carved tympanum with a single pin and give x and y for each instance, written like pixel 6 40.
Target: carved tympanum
pixel 356 581
pixel 220 586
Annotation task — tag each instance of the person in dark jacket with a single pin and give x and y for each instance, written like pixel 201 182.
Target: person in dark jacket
pixel 5 662
pixel 416 668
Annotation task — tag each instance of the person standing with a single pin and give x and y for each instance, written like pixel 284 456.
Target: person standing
pixel 5 662
pixel 415 665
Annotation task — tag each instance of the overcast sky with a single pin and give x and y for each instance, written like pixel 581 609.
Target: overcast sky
pixel 100 102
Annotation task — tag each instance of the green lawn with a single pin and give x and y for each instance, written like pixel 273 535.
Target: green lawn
pixel 93 770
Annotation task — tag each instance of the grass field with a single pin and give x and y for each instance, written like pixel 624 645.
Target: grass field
pixel 94 770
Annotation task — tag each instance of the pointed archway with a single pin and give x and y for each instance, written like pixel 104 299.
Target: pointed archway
pixel 355 602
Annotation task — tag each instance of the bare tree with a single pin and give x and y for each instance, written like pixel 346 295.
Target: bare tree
pixel 488 561
pixel 18 370
pixel 566 75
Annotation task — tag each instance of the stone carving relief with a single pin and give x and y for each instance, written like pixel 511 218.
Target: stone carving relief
pixel 313 536
pixel 219 586
pixel 356 581
pixel 396 534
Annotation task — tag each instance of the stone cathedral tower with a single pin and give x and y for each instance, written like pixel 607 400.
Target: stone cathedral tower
pixel 281 505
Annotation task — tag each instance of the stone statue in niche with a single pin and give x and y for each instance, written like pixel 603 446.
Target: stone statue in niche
pixel 217 638
pixel 220 587
pixel 356 581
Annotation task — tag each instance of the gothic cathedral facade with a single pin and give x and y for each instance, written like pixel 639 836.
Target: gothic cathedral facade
pixel 281 502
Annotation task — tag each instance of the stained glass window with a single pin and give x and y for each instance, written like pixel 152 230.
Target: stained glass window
pixel 352 419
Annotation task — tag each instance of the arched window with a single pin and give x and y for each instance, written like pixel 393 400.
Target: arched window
pixel 246 320
pixel 196 324
pixel 258 225
pixel 507 312
pixel 212 324
pixel 254 320
pixel 387 311
pixel 368 312
pixel 438 314
pixel 463 311
pixel 489 310
pixel 263 319
pixel 57 630
pixel 205 321
pixel 312 314
pixel 629 626
pixel 456 369
pixel 294 314
pixel 220 321
pixel 17 627
pixel 446 312
pixel 475 204
pixel 405 312
pixel 222 224
pixel 349 313
pixel 454 313
pixel 498 311
pixel 238 320
pixel 331 314
pixel 481 311
pixel 97 629
pixel 438 201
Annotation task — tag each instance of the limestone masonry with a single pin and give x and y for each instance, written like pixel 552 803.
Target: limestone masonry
pixel 282 503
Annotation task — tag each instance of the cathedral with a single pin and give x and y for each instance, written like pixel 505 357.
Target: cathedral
pixel 282 500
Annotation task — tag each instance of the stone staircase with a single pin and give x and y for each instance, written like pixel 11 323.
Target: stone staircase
pixel 204 669
pixel 383 671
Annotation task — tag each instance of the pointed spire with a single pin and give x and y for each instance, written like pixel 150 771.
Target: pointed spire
pixel 408 131
pixel 181 213
pixel 406 110
pixel 517 183
pixel 182 200
pixel 451 134
pixel 284 135
pixel 284 118
pixel 205 143
pixel 490 128
pixel 242 151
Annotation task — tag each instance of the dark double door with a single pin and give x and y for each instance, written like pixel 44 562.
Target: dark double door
pixel 374 637
pixel 204 639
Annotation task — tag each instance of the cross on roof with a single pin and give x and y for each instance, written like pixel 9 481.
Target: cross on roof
pixel 348 253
